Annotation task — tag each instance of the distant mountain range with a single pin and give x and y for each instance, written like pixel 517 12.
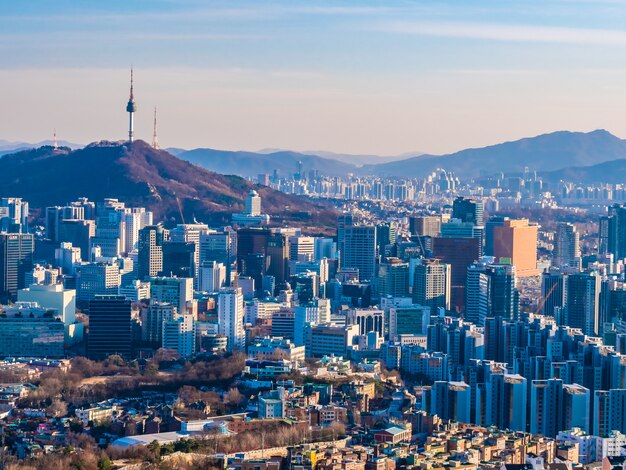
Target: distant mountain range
pixel 142 176
pixel 544 153
pixel 576 156
pixel 547 152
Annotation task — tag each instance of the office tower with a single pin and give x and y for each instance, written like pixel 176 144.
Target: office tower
pixel 78 233
pixel 283 324
pixel 386 235
pixel 152 319
pixel 393 278
pixel 301 248
pixel 325 248
pixel 57 214
pixel 67 257
pixel 218 246
pixel 360 250
pixel 252 214
pixel 343 221
pixel 566 246
pixel 432 284
pixel 459 253
pixel 326 339
pixel 110 228
pixel 515 242
pixel 609 412
pixel 408 320
pixel 425 226
pixel 134 220
pixel 212 276
pixel 490 226
pixel 97 279
pixel 179 259
pixel 29 332
pixel 468 210
pixel 613 232
pixel 13 215
pixel 16 259
pixel 230 312
pixel 456 228
pixel 150 251
pixel 110 327
pixel 502 299
pixel 190 233
pixel 582 302
pixel 553 291
pixel 136 290
pixel 250 241
pixel 179 334
pixel 177 291
pixel 277 251
pixel 305 286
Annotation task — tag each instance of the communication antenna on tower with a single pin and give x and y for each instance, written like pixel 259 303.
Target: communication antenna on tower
pixel 155 139
pixel 55 142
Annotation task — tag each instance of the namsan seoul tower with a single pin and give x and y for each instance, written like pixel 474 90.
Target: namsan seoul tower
pixel 131 108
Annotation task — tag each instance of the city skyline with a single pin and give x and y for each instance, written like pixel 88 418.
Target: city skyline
pixel 359 77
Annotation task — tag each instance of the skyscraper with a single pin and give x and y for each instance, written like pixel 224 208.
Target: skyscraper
pixel 613 232
pixel 16 259
pixel 393 275
pixel 515 242
pixel 459 253
pixel 468 210
pixel 360 250
pixel 431 284
pixel 491 292
pixel 566 246
pixel 343 221
pixel 583 302
pixel 230 312
pixel 13 215
pixel 150 247
pixel 425 226
pixel 553 291
pixel 110 327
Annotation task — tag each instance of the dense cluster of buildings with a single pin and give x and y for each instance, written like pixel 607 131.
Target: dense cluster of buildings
pixel 490 327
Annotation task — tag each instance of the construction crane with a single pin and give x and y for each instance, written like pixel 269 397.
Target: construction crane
pixel 545 299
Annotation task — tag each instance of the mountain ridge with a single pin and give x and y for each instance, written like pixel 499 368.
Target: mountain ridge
pixel 142 176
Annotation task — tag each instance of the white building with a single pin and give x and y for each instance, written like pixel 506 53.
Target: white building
pixel 276 347
pixel 137 290
pixel 230 314
pixel 211 276
pixel 179 334
pixel 152 319
pixel 67 257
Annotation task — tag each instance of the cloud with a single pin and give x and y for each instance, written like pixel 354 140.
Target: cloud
pixel 507 32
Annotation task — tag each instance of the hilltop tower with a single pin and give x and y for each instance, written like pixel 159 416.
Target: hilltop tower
pixel 131 108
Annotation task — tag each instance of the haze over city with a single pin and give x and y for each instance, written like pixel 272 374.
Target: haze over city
pixel 355 77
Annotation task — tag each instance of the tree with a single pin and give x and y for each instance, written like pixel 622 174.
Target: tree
pixel 57 409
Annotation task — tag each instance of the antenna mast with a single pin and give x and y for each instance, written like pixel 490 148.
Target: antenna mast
pixel 155 139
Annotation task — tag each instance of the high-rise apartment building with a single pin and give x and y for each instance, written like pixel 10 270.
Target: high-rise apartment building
pixel 582 308
pixel 566 246
pixel 230 312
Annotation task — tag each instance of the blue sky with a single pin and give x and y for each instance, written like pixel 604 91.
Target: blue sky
pixel 352 76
